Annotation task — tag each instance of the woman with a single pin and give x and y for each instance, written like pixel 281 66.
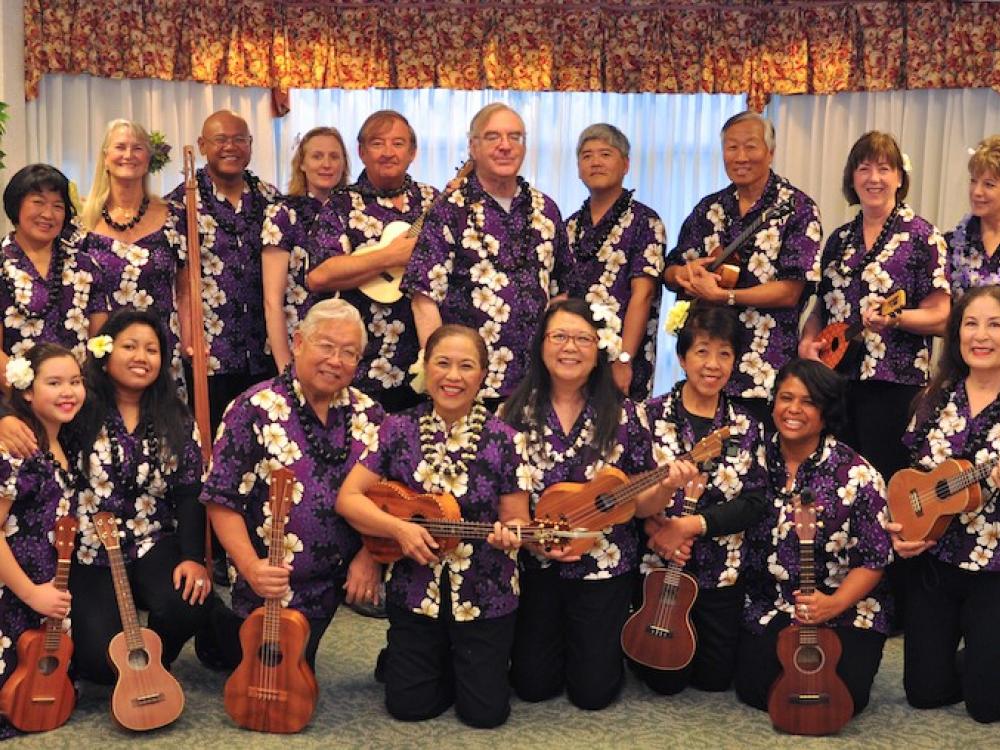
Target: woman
pixel 134 236
pixel 851 547
pixel 50 289
pixel 733 499
pixel 142 462
pixel 953 590
pixel 575 422
pixel 451 616
pixel 972 245
pixel 297 232
pixel 34 493
pixel 884 249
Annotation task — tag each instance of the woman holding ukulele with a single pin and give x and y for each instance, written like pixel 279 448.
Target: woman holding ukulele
pixel 953 587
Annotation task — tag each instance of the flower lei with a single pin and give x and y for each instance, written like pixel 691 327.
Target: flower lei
pixel 540 449
pixel 19 373
pixel 976 442
pixel 534 215
pixel 369 192
pixel 61 252
pixel 439 461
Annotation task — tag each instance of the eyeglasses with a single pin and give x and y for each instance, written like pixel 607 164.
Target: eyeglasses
pixel 582 340
pixel 237 140
pixel 328 350
pixel 493 138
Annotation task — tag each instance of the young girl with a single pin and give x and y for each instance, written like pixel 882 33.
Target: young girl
pixel 47 392
pixel 141 461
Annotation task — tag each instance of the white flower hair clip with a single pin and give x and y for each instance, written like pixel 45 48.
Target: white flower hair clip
pixel 677 316
pixel 971 151
pixel 907 164
pixel 19 373
pixel 100 346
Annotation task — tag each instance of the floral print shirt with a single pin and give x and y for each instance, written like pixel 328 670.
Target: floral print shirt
pixel 493 270
pixel 139 480
pixel 270 426
pixel 911 255
pixel 555 456
pixel 715 562
pixel 24 297
pixel 482 580
pixel 968 263
pixel 232 292
pixel 970 541
pixel 786 249
pixel 850 507
pixel 625 245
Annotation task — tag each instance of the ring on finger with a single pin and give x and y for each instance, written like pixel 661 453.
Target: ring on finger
pixel 199 583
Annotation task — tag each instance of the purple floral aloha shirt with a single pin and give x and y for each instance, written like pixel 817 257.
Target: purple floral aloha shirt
pixel 969 265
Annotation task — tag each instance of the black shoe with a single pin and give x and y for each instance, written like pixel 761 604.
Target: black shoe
pixel 367 609
pixel 220 571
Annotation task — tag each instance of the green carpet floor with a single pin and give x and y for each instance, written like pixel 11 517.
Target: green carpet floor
pixel 350 714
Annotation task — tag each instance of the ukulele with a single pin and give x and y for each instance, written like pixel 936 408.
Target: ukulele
pixel 808 697
pixel 384 287
pixel 441 516
pixel 660 634
pixel 273 689
pixel 146 695
pixel 924 502
pixel 39 696
pixel 608 498
pixel 729 272
pixel 836 338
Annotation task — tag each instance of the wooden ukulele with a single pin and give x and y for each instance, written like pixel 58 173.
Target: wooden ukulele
pixel 660 634
pixel 609 498
pixel 808 697
pixel 39 696
pixel 836 338
pixel 384 287
pixel 726 262
pixel 273 689
pixel 924 502
pixel 441 516
pixel 146 695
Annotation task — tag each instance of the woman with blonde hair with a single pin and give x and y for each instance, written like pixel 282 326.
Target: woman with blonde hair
pixel 972 245
pixel 135 238
pixel 297 232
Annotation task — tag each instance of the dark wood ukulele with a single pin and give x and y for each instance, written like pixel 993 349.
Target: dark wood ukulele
pixel 725 261
pixel 39 695
pixel 441 516
pixel 609 498
pixel 924 502
pixel 660 635
pixel 273 689
pixel 146 695
pixel 835 340
pixel 808 697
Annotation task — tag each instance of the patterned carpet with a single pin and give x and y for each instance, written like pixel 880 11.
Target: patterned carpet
pixel 351 715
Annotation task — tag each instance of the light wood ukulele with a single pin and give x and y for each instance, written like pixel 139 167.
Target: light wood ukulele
pixel 384 287
pixel 146 695
pixel 39 695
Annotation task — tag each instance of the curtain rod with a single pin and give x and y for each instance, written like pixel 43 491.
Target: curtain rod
pixel 766 7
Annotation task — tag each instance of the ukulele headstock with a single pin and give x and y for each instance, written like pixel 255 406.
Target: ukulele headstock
pixel 280 493
pixel 893 303
pixel 779 212
pixel 65 537
pixel 695 488
pixel 463 172
pixel 710 446
pixel 106 528
pixel 805 516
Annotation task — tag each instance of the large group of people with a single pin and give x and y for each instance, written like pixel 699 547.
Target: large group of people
pixel 530 342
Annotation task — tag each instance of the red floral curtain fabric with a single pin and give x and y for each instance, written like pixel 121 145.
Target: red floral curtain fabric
pixel 751 46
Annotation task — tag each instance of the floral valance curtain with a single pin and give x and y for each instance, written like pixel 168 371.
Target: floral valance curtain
pixel 755 47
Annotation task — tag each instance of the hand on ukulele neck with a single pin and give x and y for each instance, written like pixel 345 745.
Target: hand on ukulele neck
pixel 699 282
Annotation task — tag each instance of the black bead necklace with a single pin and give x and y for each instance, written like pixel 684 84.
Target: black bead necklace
pixel 52 283
pixel 323 454
pixel 369 192
pixel 134 221
pixel 130 482
pixel 618 209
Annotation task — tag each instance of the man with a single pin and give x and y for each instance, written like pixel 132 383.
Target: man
pixel 617 244
pixel 232 202
pixel 493 255
pixel 778 261
pixel 384 193
pixel 310 420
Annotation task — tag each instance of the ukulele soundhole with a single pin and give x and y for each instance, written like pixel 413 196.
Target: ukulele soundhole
pixel 604 503
pixel 270 654
pixel 138 659
pixel 809 659
pixel 48 664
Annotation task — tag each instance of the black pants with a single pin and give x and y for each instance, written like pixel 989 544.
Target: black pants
pixel 946 604
pixel 95 610
pixel 716 620
pixel 224 629
pixel 757 665
pixel 569 636
pixel 432 663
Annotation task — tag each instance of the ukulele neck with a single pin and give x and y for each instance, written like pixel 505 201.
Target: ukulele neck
pixel 737 243
pixel 123 593
pixel 967 478
pixel 275 558
pixel 672 578
pixel 807 585
pixel 53 625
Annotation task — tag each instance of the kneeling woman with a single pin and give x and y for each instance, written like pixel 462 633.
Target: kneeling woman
pixel 141 461
pixel 733 499
pixel 953 590
pixel 575 422
pixel 851 548
pixel 451 616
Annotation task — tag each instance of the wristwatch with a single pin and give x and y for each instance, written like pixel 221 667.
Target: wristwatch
pixel 624 358
pixel 731 299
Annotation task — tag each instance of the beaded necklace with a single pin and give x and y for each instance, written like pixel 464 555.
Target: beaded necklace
pixel 618 209
pixel 856 240
pixel 370 192
pixel 52 283
pixel 149 446
pixel 208 202
pixel 322 453
pixel 439 460
pixel 106 215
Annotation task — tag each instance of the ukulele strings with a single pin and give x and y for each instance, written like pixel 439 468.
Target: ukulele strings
pixel 672 575
pixel 958 482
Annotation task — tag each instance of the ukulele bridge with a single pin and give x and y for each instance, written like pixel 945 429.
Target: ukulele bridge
pixel 915 503
pixel 148 700
pixel 267 694
pixel 45 699
pixel 809 699
pixel 658 631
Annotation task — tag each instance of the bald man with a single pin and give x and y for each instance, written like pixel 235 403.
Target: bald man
pixel 232 202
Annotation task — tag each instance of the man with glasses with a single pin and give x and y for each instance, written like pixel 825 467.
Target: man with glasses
pixel 493 255
pixel 232 202
pixel 311 420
